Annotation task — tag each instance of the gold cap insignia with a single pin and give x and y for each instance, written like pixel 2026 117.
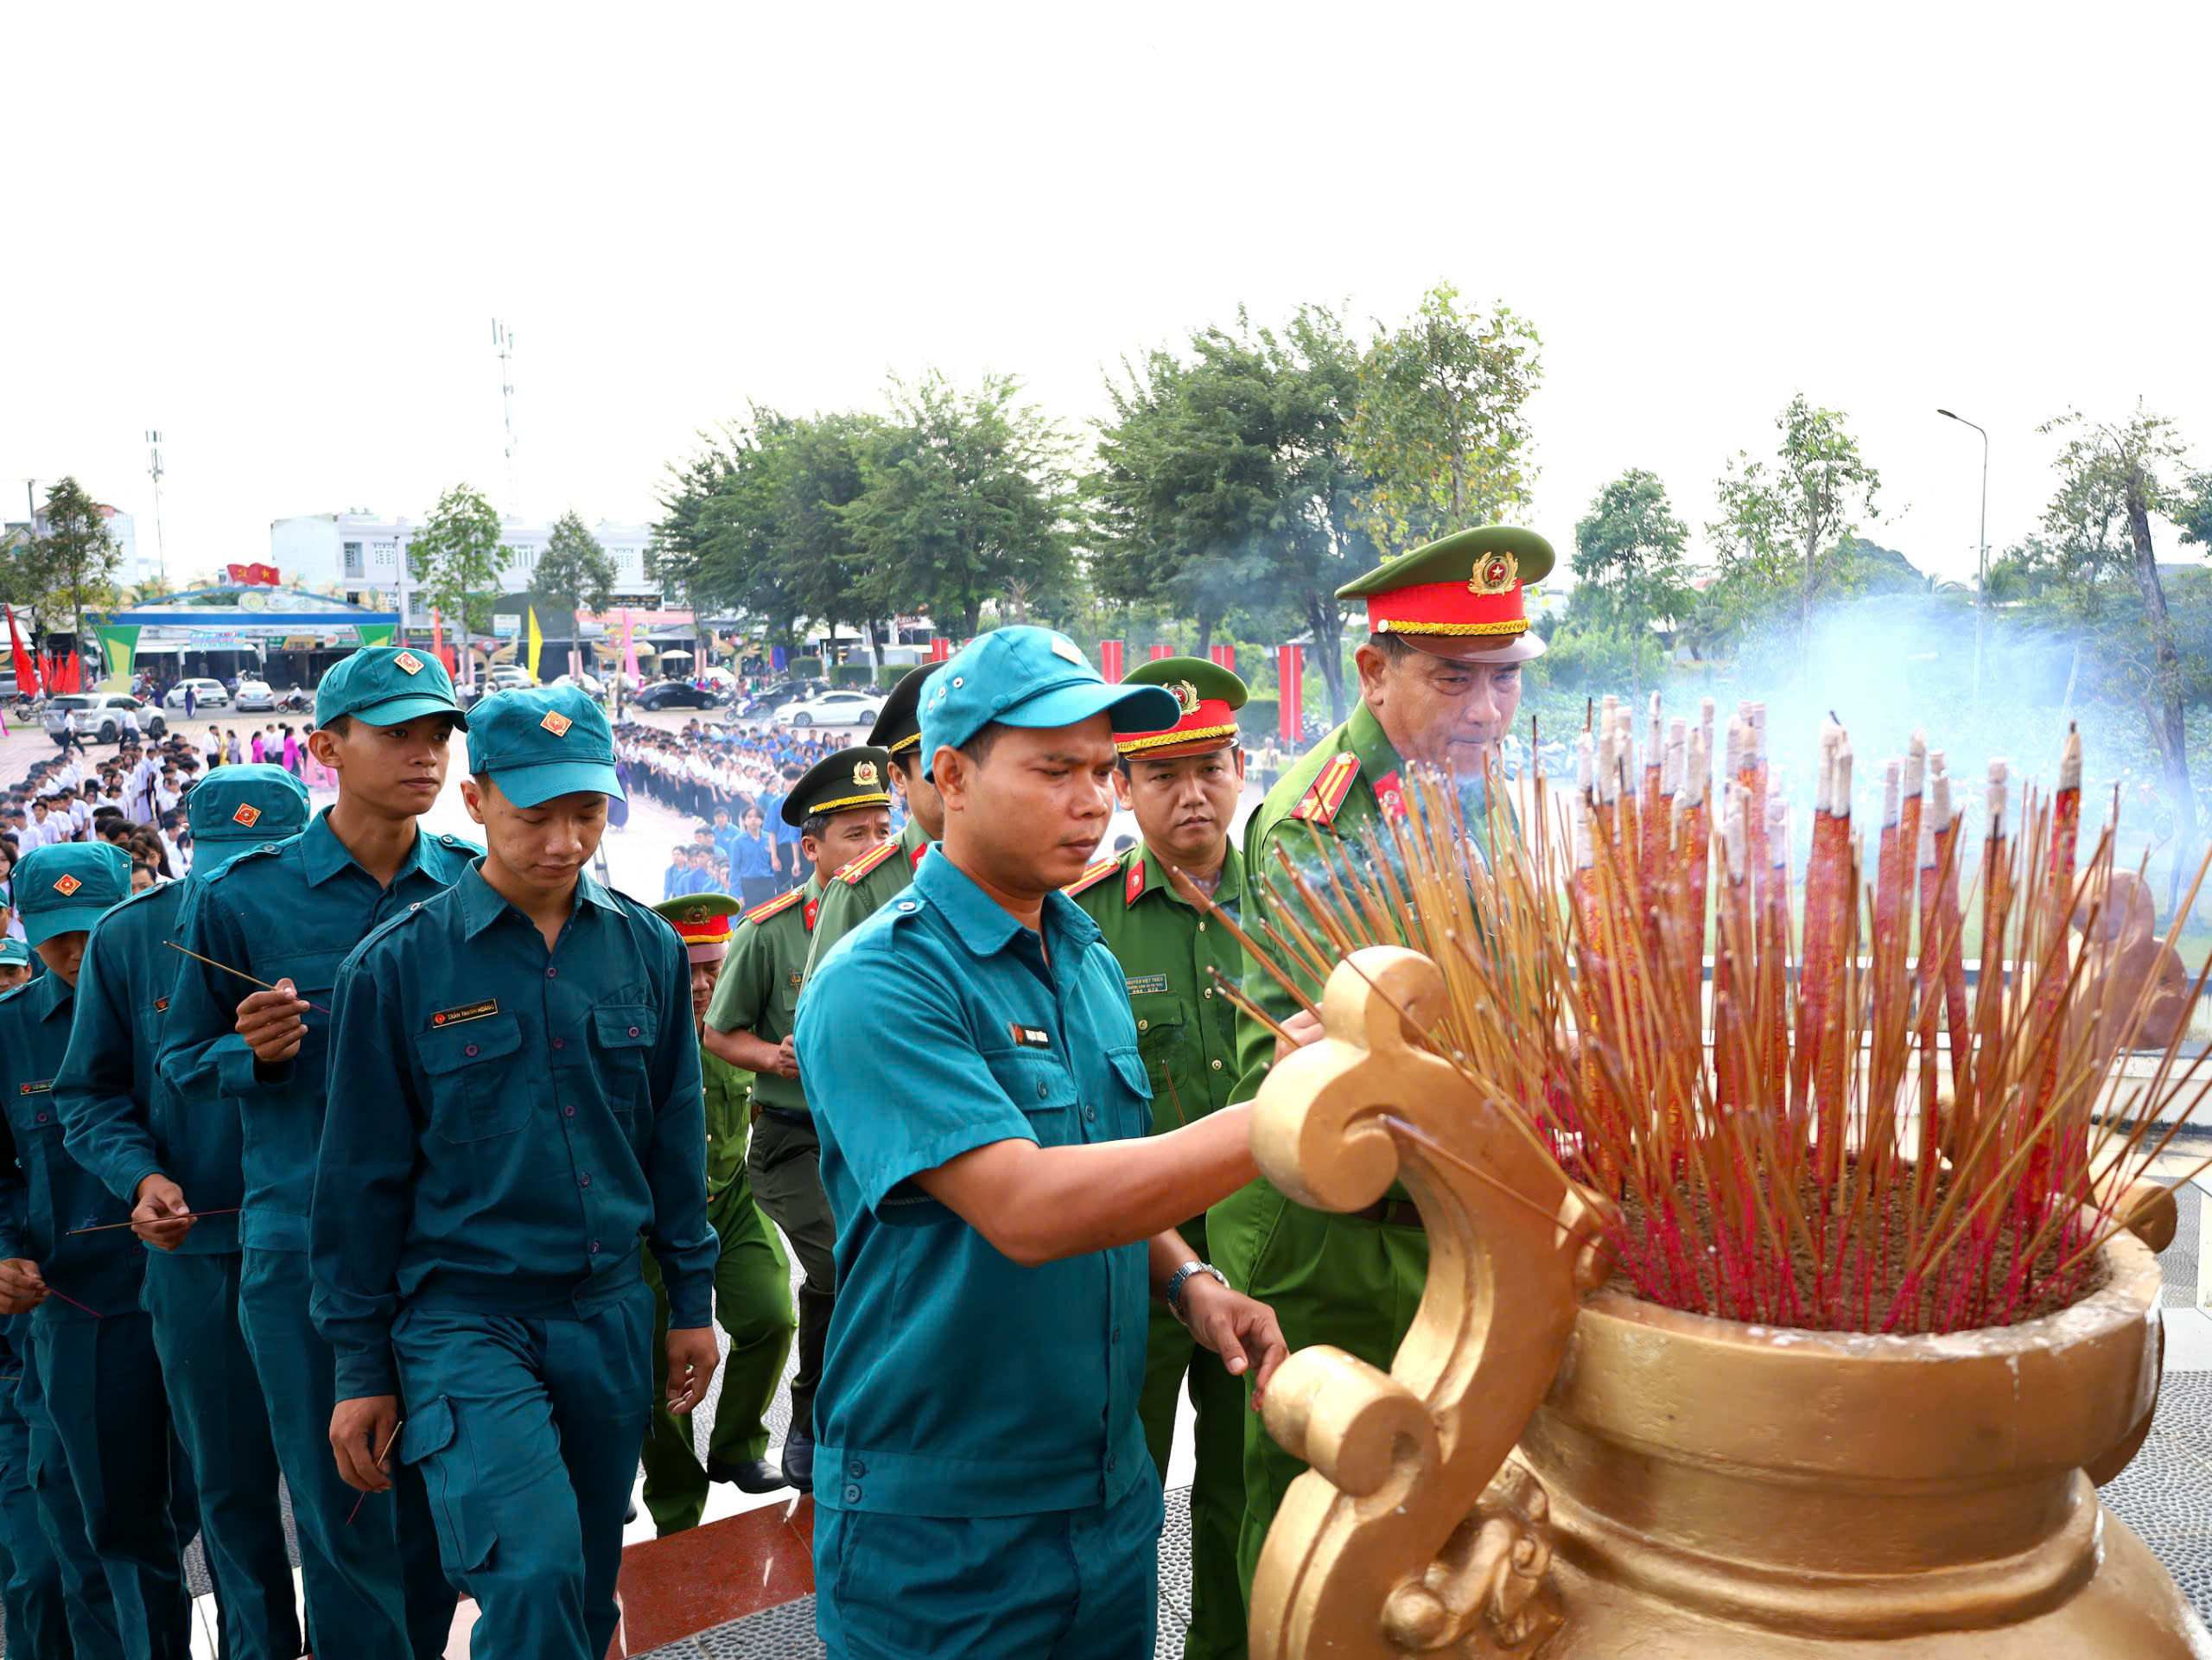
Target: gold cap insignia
pixel 557 723
pixel 409 662
pixel 1186 696
pixel 697 913
pixel 67 885
pixel 864 775
pixel 1495 573
pixel 246 815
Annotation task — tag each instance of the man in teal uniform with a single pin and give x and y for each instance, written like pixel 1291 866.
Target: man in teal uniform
pixel 1183 784
pixel 1002 1210
pixel 870 882
pixel 164 1154
pixel 842 809
pixel 1439 681
pixel 14 959
pixel 34 1590
pixel 287 913
pixel 752 1277
pixel 519 1101
pixel 91 1345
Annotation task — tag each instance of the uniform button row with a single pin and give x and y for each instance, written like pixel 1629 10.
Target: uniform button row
pixel 568 1112
pixel 584 1180
pixel 560 1042
pixel 1216 1066
pixel 856 1469
pixel 1043 1090
pixel 550 973
pixel 852 1492
pixel 594 1247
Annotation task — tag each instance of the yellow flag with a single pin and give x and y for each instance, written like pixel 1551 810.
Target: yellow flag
pixel 537 639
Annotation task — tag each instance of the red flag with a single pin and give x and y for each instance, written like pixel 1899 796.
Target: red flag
pixel 1109 661
pixel 1225 656
pixel 438 641
pixel 27 680
pixel 1161 651
pixel 1292 675
pixel 940 649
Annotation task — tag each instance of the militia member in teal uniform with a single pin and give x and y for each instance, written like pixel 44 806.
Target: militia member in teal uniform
pixel 167 1156
pixel 1439 680
pixel 1183 785
pixel 1002 1211
pixel 15 963
pixel 91 1343
pixel 519 1101
pixel 288 913
pixel 870 882
pixel 36 1592
pixel 842 809
pixel 752 1277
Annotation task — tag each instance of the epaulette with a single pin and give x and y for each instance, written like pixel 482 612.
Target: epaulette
pixel 760 913
pixel 230 865
pixel 1091 877
pixel 853 874
pixel 14 992
pixel 467 848
pixel 1325 797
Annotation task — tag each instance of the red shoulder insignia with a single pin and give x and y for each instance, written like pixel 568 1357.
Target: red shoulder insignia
pixel 1134 887
pixel 914 859
pixel 853 874
pixel 1321 802
pixel 813 910
pixel 1090 878
pixel 1390 795
pixel 760 913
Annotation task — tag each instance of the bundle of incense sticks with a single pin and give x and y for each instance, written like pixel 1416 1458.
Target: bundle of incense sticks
pixel 1840 1138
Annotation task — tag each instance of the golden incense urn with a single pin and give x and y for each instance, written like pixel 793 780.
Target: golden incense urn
pixel 1553 1470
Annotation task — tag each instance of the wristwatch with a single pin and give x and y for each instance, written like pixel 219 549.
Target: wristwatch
pixel 1174 1295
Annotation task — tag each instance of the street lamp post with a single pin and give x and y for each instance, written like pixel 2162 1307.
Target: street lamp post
pixel 1981 568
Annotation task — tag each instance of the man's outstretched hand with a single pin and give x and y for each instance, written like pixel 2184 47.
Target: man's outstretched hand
pixel 361 1437
pixel 1241 1331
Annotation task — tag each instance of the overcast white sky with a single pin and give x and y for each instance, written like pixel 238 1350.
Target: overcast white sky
pixel 279 233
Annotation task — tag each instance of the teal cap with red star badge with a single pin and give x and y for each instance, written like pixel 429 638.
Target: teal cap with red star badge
pixel 387 685
pixel 64 887
pixel 536 742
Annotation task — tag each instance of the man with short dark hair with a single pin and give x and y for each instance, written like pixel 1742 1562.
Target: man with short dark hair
pixel 1001 1211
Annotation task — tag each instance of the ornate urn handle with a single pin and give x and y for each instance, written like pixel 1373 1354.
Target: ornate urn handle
pixel 1410 1533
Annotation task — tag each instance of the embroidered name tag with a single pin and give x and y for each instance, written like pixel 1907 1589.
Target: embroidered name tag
pixel 466 1012
pixel 1138 984
pixel 39 1088
pixel 1030 1037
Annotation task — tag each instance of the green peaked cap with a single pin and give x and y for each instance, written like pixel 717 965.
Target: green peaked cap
pixel 1204 675
pixel 1453 558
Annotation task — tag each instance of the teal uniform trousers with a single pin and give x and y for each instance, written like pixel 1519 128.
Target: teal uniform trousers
pixel 45 1592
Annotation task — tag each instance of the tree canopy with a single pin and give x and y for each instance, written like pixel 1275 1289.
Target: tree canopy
pixel 574 568
pixel 455 557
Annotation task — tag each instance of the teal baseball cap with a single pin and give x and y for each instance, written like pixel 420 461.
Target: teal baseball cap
pixel 385 685
pixel 14 954
pixel 247 804
pixel 1030 677
pixel 539 741
pixel 64 887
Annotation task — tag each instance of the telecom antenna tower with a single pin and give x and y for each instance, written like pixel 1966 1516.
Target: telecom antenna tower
pixel 504 338
pixel 153 472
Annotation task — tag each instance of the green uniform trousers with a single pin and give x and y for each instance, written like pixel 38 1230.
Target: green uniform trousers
pixel 526 1432
pixel 374 1591
pixel 1053 1585
pixel 785 1164
pixel 101 1383
pixel 1171 1356
pixel 1331 1279
pixel 752 1303
pixel 215 1398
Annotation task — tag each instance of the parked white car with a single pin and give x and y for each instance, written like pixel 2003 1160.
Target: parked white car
pixel 842 707
pixel 103 717
pixel 205 694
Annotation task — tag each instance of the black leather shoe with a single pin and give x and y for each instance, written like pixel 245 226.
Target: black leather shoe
pixel 753 1476
pixel 798 1462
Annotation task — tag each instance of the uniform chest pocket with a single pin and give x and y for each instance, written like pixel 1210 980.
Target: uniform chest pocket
pixel 475 1091
pixel 1163 1028
pixel 1133 1106
pixel 1038 1083
pixel 625 1035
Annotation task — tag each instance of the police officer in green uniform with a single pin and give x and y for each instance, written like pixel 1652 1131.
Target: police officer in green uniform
pixel 752 1277
pixel 287 913
pixel 1439 680
pixel 518 1101
pixel 125 1123
pixel 841 809
pixel 870 882
pixel 91 1345
pixel 1182 785
pixel 1001 1210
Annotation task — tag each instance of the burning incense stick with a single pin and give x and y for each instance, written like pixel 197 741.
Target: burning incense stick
pixel 181 1216
pixel 241 974
pixel 389 1441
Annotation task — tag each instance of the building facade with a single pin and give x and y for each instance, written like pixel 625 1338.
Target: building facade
pixel 361 556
